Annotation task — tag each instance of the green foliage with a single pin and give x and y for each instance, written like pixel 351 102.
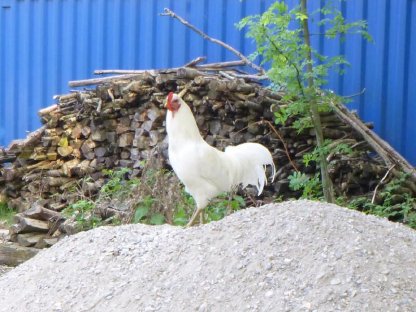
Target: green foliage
pixel 329 147
pixel 282 38
pixel 310 185
pixel 223 206
pixel 82 212
pixel 220 207
pixel 336 25
pixel 278 35
pixel 86 212
pixel 183 206
pixel 143 212
pixel 391 204
pixel 156 198
pixel 117 183
pixel 6 213
pixel 183 209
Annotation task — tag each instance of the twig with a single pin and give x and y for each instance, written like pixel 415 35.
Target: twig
pixel 283 142
pixel 88 82
pixel 228 76
pixel 183 92
pixel 127 73
pixel 379 183
pixel 168 12
pixel 221 65
pixel 123 71
pixel 249 77
pixel 192 63
pixel 355 94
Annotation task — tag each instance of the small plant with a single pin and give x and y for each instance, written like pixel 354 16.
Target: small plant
pixel 310 185
pixel 391 204
pixel 143 213
pixel 223 206
pixel 157 197
pixel 6 213
pixel 118 184
pixel 329 147
pixel 82 212
pixel 184 209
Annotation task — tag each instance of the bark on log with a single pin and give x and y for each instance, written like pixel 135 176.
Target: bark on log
pixel 27 225
pixel 37 211
pixel 12 254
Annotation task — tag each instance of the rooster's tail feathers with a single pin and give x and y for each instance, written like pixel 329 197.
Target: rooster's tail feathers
pixel 251 161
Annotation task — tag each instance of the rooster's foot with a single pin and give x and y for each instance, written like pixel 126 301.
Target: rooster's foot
pixel 198 212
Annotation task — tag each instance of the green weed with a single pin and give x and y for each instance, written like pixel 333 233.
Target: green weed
pixel 390 204
pixel 157 197
pixel 6 213
pixel 83 213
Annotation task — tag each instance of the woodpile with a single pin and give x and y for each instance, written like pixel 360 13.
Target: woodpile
pixel 120 123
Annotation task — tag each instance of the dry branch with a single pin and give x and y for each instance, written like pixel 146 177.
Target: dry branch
pixel 168 12
pixel 381 182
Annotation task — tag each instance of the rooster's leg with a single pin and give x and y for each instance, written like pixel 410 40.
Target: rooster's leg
pixel 201 217
pixel 194 216
pixel 231 195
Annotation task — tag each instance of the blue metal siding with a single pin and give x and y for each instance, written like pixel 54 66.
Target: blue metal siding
pixel 46 43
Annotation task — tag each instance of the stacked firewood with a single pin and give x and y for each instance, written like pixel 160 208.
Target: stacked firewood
pixel 121 122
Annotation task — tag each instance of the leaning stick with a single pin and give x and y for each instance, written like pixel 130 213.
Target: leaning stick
pixel 168 12
pixel 381 182
pixel 196 61
pixel 383 149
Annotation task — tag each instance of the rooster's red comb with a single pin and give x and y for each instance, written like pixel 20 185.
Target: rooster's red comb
pixel 170 96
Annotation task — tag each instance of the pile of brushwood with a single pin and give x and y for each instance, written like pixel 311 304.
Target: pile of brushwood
pixel 118 124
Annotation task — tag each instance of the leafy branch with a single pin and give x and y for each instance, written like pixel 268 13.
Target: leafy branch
pixel 283 40
pixel 291 63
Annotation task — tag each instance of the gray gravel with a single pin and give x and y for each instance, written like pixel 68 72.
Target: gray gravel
pixel 293 256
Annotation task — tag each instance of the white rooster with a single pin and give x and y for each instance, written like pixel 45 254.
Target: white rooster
pixel 205 171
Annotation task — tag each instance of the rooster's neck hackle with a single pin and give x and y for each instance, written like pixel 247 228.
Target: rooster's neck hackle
pixel 181 122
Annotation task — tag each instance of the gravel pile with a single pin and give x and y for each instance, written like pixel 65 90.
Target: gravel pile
pixel 293 256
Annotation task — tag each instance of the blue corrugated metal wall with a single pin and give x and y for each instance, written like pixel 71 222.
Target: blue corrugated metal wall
pixel 46 43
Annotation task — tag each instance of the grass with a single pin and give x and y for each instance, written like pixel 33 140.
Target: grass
pixel 157 197
pixel 6 213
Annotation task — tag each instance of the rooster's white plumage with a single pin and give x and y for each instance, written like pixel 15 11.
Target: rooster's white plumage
pixel 204 170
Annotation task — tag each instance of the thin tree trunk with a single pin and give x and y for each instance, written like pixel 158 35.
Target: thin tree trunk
pixel 326 181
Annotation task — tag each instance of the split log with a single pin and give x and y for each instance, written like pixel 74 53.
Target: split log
pixel 12 254
pixel 67 168
pixel 46 242
pixel 126 139
pixel 65 150
pixel 29 239
pixel 37 211
pixel 27 225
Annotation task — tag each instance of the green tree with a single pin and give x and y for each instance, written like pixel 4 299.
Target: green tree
pixel 283 40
